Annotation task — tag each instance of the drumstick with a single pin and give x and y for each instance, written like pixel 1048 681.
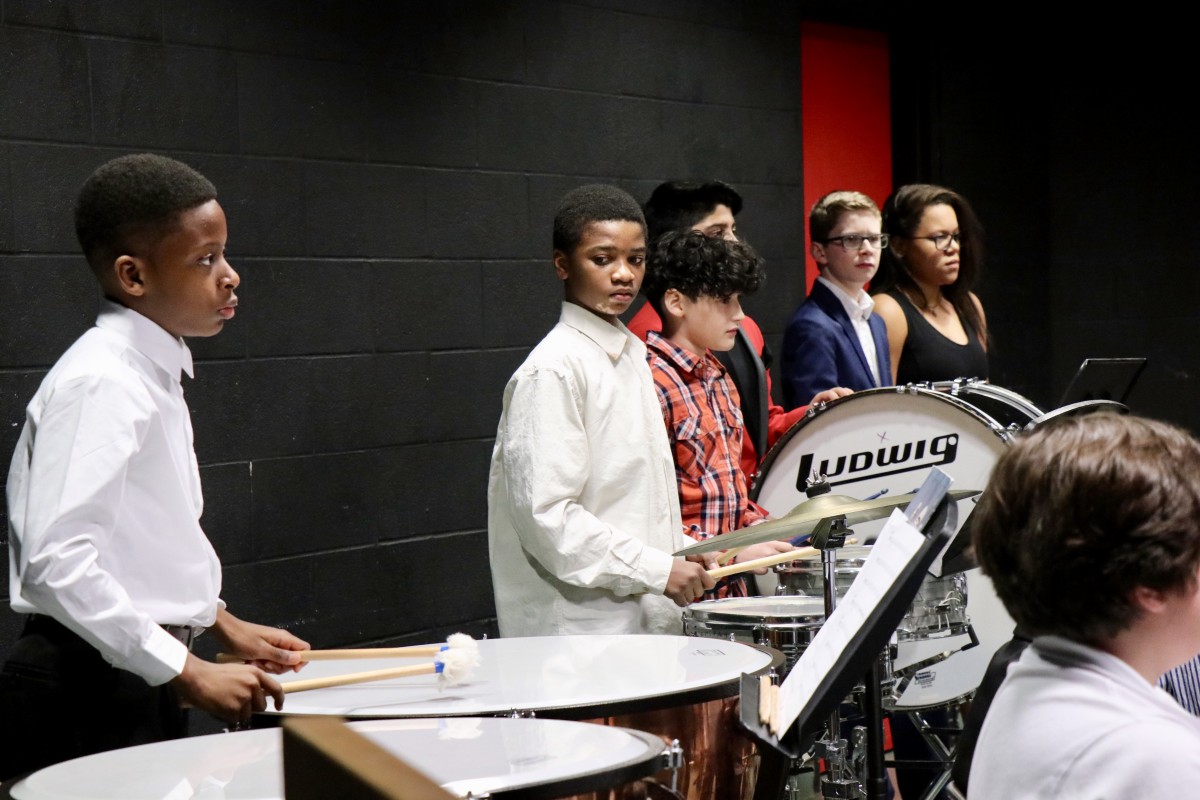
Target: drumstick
pixel 457 641
pixel 451 667
pixel 768 561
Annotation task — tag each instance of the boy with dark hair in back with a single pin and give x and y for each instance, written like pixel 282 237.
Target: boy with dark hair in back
pixel 107 556
pixel 711 208
pixel 1090 530
pixel 695 284
pixel 833 339
pixel 583 513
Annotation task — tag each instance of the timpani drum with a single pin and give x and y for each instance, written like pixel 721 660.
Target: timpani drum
pixel 678 687
pixel 499 758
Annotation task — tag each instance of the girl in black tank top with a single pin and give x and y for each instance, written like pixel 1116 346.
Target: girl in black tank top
pixel 930 356
pixel 933 257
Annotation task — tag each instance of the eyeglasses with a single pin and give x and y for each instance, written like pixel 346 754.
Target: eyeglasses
pixel 855 241
pixel 942 240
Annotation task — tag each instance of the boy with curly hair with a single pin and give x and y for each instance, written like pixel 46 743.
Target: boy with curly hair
pixel 695 283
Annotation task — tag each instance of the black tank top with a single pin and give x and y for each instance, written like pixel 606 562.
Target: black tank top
pixel 930 356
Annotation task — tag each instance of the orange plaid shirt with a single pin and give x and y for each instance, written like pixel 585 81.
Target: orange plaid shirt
pixel 704 425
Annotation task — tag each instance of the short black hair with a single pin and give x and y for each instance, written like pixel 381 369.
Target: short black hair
pixel 595 202
pixel 678 205
pixel 131 196
pixel 700 266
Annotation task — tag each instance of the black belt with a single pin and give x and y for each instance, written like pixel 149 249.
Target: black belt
pixel 186 634
pixel 49 626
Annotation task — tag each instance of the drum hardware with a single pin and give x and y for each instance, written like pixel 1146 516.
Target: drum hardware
pixel 942 740
pixel 672 759
pixel 828 536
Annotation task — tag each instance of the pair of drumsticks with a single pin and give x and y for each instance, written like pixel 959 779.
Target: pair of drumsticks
pixel 453 662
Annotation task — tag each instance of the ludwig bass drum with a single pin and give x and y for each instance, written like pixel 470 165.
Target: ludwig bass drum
pixel 885 441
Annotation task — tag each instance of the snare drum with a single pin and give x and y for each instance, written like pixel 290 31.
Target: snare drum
pixel 939 609
pixel 1003 405
pixel 527 758
pixel 787 624
pixel 675 686
pixel 927 678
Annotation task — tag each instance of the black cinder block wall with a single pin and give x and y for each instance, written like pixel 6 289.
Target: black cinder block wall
pixel 389 171
pixel 1073 154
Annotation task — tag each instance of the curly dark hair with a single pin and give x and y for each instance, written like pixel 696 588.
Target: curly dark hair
pixel 1083 511
pixel 678 205
pixel 901 216
pixel 131 196
pixel 698 265
pixel 595 202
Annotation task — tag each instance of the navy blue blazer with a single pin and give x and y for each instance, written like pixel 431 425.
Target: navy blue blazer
pixel 821 350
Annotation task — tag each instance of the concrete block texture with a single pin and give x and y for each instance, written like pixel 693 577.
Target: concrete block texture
pixel 389 172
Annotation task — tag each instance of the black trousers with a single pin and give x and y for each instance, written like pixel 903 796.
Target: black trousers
pixel 59 699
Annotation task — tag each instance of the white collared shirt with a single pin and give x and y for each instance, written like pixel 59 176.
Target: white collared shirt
pixel 1082 724
pixel 859 309
pixel 583 509
pixel 104 498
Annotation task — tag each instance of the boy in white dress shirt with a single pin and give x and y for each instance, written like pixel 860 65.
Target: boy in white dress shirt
pixel 583 511
pixel 1090 530
pixel 107 556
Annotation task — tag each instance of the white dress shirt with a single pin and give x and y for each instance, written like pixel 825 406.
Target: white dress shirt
pixel 104 498
pixel 1071 721
pixel 859 309
pixel 583 508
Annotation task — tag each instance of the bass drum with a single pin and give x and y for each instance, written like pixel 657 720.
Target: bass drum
pixel 885 441
pixel 1003 405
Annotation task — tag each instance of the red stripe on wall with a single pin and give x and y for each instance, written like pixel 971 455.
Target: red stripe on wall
pixel 845 111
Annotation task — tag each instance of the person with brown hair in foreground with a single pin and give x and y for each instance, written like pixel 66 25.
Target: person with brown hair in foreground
pixel 1090 530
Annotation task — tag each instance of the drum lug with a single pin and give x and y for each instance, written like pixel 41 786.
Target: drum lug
pixel 672 756
pixel 515 714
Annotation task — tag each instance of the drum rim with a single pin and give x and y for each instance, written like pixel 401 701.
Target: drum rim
pixel 1015 399
pixel 912 390
pixel 643 765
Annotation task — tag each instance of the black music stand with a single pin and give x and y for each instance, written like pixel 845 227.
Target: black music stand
pixel 935 517
pixel 1103 379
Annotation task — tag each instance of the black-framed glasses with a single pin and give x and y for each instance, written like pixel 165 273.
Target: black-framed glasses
pixel 854 241
pixel 942 240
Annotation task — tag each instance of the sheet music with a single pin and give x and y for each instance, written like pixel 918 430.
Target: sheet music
pixel 898 542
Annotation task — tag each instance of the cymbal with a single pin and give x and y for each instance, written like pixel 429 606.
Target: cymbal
pixel 804 519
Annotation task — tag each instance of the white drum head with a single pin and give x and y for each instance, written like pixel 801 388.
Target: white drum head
pixel 535 757
pixel 573 677
pixel 880 440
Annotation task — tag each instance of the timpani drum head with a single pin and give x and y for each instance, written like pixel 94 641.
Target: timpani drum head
pixel 566 677
pixel 528 758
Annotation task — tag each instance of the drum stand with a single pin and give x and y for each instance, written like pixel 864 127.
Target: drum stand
pixel 840 781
